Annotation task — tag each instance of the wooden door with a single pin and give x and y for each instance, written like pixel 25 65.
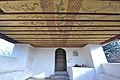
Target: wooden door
pixel 60 60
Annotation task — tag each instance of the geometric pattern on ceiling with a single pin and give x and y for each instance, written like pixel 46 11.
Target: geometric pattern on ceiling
pixel 60 23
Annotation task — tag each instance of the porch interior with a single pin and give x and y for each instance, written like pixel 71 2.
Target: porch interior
pixel 39 27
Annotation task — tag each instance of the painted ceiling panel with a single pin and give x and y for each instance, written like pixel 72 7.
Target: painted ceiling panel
pixel 59 23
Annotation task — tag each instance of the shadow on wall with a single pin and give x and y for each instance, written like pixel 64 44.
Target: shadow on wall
pixel 84 75
pixel 77 73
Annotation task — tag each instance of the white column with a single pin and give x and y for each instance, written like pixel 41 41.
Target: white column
pixel 98 57
pixel 20 51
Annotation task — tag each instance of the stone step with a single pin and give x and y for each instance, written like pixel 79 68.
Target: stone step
pixel 60 76
pixel 61 73
pixel 32 78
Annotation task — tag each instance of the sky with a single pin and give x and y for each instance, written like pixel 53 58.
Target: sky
pixel 6 47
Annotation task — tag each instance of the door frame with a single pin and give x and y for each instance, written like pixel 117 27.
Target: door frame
pixel 65 62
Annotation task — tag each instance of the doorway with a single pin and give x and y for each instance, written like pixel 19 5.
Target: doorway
pixel 60 60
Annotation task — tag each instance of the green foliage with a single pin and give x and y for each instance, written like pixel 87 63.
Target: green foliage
pixel 112 51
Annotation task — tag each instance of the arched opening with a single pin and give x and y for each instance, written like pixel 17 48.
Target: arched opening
pixel 60 60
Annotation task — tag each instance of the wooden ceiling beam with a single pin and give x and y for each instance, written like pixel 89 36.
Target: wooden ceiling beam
pixel 60 39
pixel 64 40
pixel 43 23
pixel 54 46
pixel 57 28
pixel 59 31
pixel 71 33
pixel 61 36
pixel 82 25
pixel 43 17
pixel 59 43
pixel 75 20
pixel 31 22
pixel 111 39
pixel 74 13
pixel 68 41
pixel 2 36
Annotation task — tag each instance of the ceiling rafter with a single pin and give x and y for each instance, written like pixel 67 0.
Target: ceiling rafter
pixel 2 36
pixel 111 39
pixel 64 38
pixel 62 35
pixel 67 20
pixel 62 25
pixel 72 13
pixel 51 30
pixel 77 33
pixel 42 17
pixel 59 39
pixel 69 25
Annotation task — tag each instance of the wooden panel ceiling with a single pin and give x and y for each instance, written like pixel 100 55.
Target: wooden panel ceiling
pixel 59 23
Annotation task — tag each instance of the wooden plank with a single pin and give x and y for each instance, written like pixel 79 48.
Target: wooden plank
pixel 57 28
pixel 66 20
pixel 43 23
pixel 60 39
pixel 2 36
pixel 64 42
pixel 43 17
pixel 111 39
pixel 46 31
pixel 59 43
pixel 54 46
pixel 71 41
pixel 72 13
pixel 62 36
pixel 81 25
pixel 55 33
pixel 58 32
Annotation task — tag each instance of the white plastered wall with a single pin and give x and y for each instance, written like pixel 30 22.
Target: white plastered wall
pixel 44 60
pixel 98 57
pixel 40 62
